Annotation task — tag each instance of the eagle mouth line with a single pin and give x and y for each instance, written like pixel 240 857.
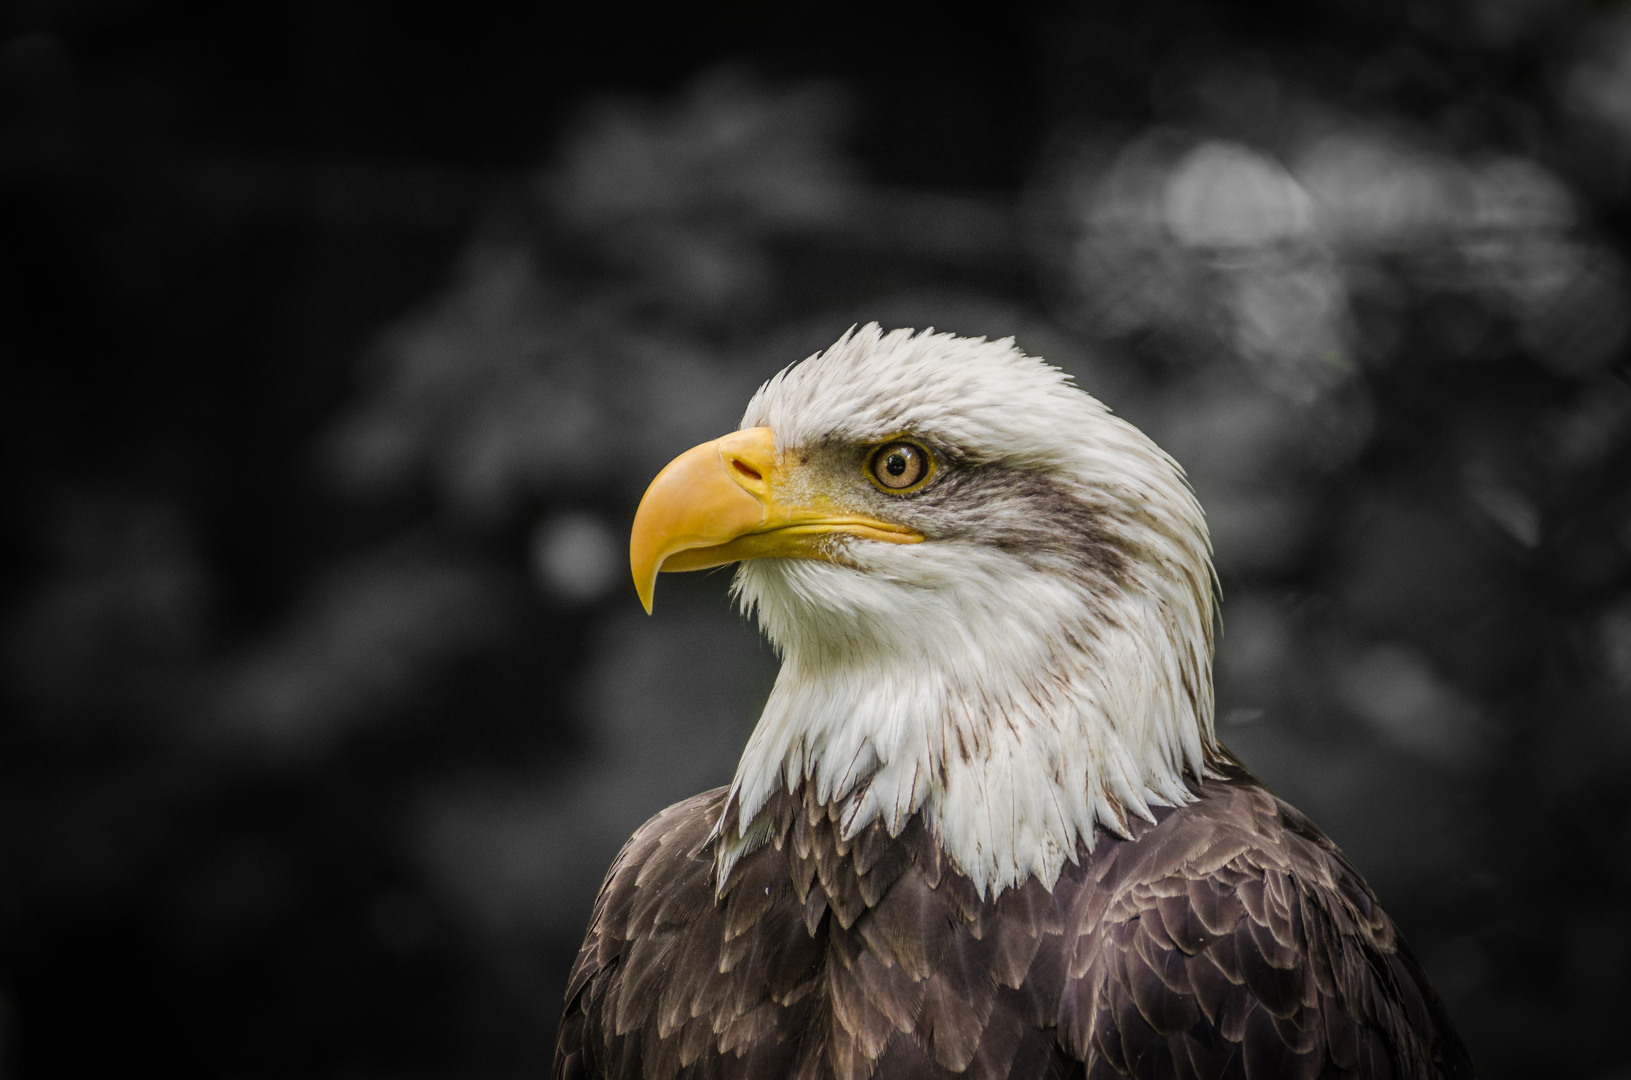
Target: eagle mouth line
pixel 865 528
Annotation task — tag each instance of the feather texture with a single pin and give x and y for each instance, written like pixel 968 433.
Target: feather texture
pixel 1227 938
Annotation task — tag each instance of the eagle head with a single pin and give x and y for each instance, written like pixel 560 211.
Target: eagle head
pixel 993 600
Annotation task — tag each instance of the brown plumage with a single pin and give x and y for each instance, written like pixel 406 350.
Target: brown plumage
pixel 1230 938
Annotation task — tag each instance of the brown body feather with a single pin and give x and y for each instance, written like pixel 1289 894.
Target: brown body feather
pixel 1229 938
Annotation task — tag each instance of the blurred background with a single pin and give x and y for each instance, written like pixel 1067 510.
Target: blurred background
pixel 340 338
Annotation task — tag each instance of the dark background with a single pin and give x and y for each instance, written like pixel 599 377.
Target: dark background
pixel 340 339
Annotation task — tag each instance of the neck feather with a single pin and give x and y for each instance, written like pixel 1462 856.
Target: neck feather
pixel 1014 711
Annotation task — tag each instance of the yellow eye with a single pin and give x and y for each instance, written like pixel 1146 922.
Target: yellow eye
pixel 899 467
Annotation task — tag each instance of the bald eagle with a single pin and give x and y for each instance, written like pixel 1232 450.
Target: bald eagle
pixel 984 826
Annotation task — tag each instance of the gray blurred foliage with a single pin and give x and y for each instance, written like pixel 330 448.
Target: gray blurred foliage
pixel 1391 358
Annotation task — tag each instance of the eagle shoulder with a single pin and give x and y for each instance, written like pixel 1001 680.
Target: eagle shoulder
pixel 819 958
pixel 1233 938
pixel 630 988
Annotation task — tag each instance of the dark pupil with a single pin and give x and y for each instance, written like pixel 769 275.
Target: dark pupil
pixel 896 464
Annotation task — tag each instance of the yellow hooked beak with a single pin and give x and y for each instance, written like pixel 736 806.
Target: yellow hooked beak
pixel 716 504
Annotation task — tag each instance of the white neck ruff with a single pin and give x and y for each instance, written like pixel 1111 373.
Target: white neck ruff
pixel 1014 707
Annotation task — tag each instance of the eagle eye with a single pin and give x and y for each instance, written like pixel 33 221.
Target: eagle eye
pixel 899 467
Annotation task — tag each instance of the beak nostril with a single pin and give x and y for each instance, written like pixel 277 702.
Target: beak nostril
pixel 745 470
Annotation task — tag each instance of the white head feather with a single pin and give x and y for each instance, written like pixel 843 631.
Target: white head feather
pixel 1041 663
